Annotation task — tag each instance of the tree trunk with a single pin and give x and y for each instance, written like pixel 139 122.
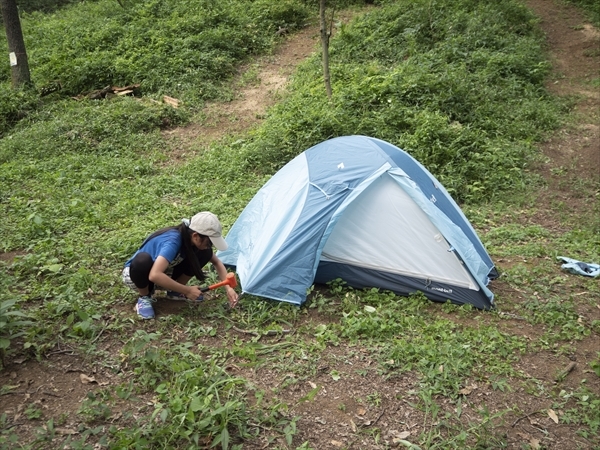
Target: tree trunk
pixel 325 46
pixel 19 67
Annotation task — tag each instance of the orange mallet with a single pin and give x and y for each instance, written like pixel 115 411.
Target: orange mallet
pixel 229 281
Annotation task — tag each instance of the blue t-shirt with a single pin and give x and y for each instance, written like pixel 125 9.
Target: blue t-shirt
pixel 168 245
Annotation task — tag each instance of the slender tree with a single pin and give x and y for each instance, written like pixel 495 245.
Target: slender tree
pixel 19 67
pixel 325 33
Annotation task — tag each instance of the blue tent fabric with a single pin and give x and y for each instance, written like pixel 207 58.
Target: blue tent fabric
pixel 579 268
pixel 360 209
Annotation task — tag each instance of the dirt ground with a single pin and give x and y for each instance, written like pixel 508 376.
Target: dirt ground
pixel 59 383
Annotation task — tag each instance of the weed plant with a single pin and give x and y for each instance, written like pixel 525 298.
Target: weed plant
pixel 183 49
pixel 459 85
pixel 591 9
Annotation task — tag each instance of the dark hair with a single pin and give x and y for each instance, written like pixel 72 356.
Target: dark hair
pixel 188 246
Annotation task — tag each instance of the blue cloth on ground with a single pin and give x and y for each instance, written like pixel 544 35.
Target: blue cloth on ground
pixel 580 268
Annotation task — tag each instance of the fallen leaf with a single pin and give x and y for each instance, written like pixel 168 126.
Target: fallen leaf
pixel 553 415
pixel 312 385
pixel 534 422
pixel 362 411
pixel 534 443
pixel 85 379
pixel 400 437
pixel 397 436
pixel 441 368
pixel 337 443
pixel 525 436
pixel 404 435
pixel 64 431
pixel 465 391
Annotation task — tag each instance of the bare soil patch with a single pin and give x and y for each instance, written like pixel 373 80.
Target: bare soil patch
pixel 574 47
pixel 256 87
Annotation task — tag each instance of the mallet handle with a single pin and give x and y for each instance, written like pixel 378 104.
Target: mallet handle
pixel 230 281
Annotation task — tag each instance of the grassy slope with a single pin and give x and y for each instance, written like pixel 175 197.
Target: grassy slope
pixel 77 180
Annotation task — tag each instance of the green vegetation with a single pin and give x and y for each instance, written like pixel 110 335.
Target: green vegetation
pixel 184 49
pixel 591 8
pixel 459 84
pixel 12 323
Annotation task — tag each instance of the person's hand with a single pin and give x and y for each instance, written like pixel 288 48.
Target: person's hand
pixel 232 296
pixel 193 292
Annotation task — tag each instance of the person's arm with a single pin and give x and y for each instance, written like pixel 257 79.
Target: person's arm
pixel 160 278
pixel 232 296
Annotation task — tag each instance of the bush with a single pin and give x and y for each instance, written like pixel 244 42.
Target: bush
pixel 15 105
pixel 12 325
pixel 459 85
pixel 591 9
pixel 184 49
pixel 120 126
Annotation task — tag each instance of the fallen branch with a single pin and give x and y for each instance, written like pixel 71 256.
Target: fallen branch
pixel 378 417
pixel 51 394
pixel 109 91
pixel 239 330
pixel 11 425
pixel 99 334
pixel 257 334
pixel 566 371
pixel 171 101
pixel 58 352
pixel 13 393
pixel 525 416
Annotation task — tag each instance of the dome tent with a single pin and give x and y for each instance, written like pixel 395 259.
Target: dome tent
pixel 359 209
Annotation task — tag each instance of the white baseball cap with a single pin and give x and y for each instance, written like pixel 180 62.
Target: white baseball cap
pixel 207 224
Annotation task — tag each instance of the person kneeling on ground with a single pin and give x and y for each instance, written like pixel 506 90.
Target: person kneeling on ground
pixel 170 257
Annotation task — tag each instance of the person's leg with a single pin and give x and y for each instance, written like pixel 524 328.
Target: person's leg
pixel 139 272
pixel 183 279
pixel 182 273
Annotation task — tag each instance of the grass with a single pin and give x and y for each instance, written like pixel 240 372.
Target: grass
pixel 590 8
pixel 458 84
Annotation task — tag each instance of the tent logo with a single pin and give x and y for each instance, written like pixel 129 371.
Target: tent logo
pixel 340 166
pixel 444 290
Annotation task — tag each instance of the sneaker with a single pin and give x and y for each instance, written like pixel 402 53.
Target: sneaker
pixel 144 307
pixel 172 295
